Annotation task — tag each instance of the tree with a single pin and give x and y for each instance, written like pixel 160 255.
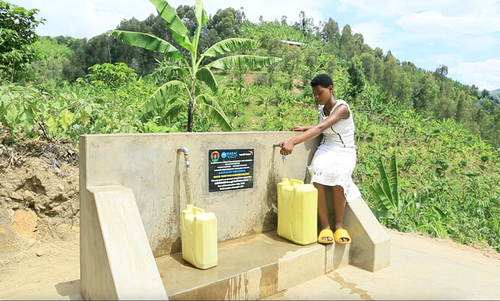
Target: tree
pixel 367 60
pixel 192 66
pixel 426 95
pixel 78 64
pixel 356 77
pixel 330 33
pixel 390 78
pixel 305 24
pixel 111 75
pixel 227 23
pixel 347 43
pixel 465 108
pixel 52 59
pixel 140 59
pixel 17 36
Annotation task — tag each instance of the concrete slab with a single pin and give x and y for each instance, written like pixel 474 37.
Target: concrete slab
pixel 116 261
pixel 420 269
pixel 249 268
pixel 371 246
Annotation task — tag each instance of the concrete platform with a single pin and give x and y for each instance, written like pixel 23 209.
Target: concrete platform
pixel 253 267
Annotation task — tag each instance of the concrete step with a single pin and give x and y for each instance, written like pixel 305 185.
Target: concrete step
pixel 250 268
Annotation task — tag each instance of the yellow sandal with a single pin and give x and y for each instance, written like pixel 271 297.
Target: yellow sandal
pixel 339 234
pixel 325 233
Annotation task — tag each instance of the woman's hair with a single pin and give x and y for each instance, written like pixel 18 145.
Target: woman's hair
pixel 322 80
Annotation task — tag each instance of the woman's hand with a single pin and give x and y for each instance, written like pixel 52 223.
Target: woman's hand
pixel 299 128
pixel 286 147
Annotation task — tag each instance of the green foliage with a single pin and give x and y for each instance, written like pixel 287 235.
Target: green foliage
pixel 385 191
pixel 19 108
pixel 111 75
pixel 445 185
pixel 356 77
pixel 268 31
pixel 53 57
pixel 193 67
pixel 17 35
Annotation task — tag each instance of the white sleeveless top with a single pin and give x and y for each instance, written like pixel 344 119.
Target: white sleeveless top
pixel 342 133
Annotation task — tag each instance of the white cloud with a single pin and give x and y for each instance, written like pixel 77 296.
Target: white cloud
pixel 85 18
pixel 342 8
pixel 485 75
pixel 373 33
pixel 392 8
pixel 435 23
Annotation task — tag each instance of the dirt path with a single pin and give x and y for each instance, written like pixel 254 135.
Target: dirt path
pixel 48 271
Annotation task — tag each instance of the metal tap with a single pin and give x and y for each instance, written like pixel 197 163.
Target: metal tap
pixel 283 157
pixel 185 150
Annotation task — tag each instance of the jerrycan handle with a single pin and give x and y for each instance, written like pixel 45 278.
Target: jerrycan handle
pixel 197 210
pixel 296 182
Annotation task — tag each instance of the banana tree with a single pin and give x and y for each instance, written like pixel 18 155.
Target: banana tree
pixel 385 191
pixel 193 66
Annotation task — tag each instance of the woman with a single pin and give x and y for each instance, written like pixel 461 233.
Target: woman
pixel 334 160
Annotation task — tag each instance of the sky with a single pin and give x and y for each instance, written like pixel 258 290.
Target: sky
pixel 463 35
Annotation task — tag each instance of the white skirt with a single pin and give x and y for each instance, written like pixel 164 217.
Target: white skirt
pixel 333 166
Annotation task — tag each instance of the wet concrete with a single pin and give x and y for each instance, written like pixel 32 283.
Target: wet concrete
pixel 421 269
pixel 253 267
pixel 250 268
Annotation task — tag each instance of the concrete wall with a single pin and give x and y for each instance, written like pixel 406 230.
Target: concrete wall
pixel 152 167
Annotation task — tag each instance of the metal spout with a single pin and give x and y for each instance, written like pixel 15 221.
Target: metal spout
pixel 283 157
pixel 185 150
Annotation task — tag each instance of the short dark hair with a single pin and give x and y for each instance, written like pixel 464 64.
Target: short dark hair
pixel 323 80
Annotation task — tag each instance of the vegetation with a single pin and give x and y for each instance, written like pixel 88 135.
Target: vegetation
pixel 193 67
pixel 428 156
pixel 17 35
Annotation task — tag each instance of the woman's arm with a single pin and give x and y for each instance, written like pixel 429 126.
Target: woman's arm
pixel 313 131
pixel 300 128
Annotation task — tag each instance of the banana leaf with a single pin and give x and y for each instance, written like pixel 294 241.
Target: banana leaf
pixel 171 87
pixel 146 41
pixel 204 74
pixel 385 191
pixel 179 31
pixel 208 104
pixel 229 45
pixel 382 199
pixel 201 19
pixel 240 61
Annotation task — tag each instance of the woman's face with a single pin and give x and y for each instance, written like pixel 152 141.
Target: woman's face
pixel 321 94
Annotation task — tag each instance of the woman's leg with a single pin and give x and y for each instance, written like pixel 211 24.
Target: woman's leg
pixel 339 203
pixel 322 207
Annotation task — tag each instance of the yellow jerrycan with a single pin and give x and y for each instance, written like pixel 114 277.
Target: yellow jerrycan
pixel 297 211
pixel 199 237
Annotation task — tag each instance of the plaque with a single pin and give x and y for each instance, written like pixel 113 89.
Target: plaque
pixel 230 169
